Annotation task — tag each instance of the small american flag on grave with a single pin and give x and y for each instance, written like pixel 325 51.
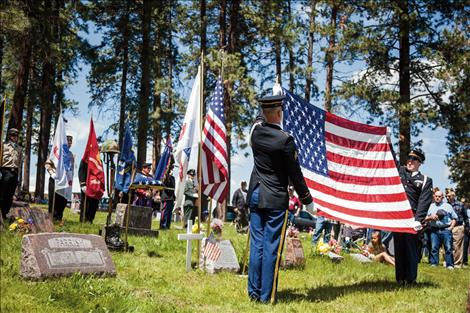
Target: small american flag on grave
pixel 211 250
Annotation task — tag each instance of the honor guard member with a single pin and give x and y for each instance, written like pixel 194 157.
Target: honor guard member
pixel 190 197
pixel 418 188
pixel 88 205
pixel 144 196
pixel 57 202
pixel 275 163
pixel 11 160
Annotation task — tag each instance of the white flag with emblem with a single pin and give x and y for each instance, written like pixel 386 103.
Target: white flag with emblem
pixel 186 152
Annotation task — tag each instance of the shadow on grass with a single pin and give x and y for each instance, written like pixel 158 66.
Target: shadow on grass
pixel 330 292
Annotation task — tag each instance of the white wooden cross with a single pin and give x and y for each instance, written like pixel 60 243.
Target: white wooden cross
pixel 189 236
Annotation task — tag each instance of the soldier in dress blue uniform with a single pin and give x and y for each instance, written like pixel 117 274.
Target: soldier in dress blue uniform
pixel 275 159
pixel 418 188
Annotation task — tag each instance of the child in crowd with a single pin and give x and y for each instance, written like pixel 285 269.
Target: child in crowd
pixel 376 250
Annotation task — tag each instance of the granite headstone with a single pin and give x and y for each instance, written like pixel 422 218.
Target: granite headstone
pixel 227 262
pixel 294 254
pixel 140 219
pixel 41 219
pixel 60 254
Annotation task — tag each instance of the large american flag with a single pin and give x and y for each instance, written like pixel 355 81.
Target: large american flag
pixel 214 148
pixel 348 167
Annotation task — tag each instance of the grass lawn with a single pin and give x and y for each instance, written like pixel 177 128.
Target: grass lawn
pixel 153 279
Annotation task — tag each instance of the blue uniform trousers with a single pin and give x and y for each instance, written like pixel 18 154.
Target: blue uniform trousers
pixel 265 231
pixel 165 217
pixel 406 257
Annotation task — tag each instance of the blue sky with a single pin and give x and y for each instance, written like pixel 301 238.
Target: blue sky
pixel 433 140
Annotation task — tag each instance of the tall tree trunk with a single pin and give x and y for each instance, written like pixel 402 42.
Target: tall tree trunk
pixel 223 24
pixel 21 86
pixel 291 55
pixel 330 57
pixel 404 78
pixel 47 94
pixel 202 7
pixel 1 59
pixel 144 85
pixel 29 134
pixel 125 68
pixel 233 47
pixel 158 62
pixel 309 80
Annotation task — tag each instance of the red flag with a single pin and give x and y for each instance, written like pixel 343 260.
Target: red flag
pixel 95 173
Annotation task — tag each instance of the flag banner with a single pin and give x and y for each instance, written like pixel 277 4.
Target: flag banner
pixel 125 161
pixel 164 161
pixel 188 141
pixel 211 249
pixel 348 167
pixel 62 159
pixel 95 173
pixel 214 148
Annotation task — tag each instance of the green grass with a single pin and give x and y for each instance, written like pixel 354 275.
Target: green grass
pixel 153 279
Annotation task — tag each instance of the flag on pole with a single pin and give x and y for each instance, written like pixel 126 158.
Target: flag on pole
pixel 164 161
pixel 95 173
pixel 187 148
pixel 62 160
pixel 214 148
pixel 211 249
pixel 348 167
pixel 125 161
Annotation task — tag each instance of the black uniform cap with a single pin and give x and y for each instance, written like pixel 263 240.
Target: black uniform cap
pixel 191 172
pixel 271 101
pixel 417 154
pixel 146 165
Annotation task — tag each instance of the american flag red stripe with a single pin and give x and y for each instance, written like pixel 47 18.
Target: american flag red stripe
pixel 214 149
pixel 211 249
pixel 348 167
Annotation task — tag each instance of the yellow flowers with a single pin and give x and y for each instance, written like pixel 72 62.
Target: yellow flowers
pixel 13 226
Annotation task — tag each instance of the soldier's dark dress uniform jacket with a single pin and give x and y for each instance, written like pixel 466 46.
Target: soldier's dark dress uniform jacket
pixel 9 170
pixel 418 188
pixel 275 163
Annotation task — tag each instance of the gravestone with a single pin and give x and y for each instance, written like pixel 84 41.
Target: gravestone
pixel 227 262
pixel 140 220
pixel 41 220
pixel 335 258
pixel 360 258
pixel 60 254
pixel 189 236
pixel 295 256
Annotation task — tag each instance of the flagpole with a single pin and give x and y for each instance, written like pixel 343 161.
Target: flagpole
pixel 199 166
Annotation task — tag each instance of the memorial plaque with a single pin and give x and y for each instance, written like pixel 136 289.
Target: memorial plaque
pixel 227 262
pixel 294 254
pixel 41 219
pixel 59 254
pixel 140 219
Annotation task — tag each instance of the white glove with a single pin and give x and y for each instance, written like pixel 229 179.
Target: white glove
pixel 195 195
pixel 417 226
pixel 53 175
pixel 83 189
pixel 310 208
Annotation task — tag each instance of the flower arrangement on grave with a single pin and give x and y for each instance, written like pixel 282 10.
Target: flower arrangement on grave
pixel 21 226
pixel 332 245
pixel 292 232
pixel 216 227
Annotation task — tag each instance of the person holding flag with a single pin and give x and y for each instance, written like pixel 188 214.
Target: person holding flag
pixel 124 169
pixel 164 173
pixel 60 167
pixel 91 177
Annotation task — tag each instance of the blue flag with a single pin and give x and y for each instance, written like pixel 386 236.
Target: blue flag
pixel 126 159
pixel 164 161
